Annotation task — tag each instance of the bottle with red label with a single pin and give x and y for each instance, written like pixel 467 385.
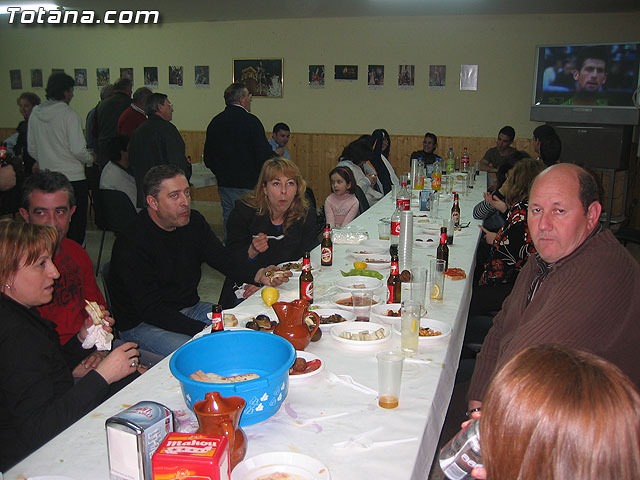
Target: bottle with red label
pixel 455 210
pixel 393 282
pixel 217 322
pixel 395 227
pixel 464 164
pixel 403 202
pixel 306 279
pixel 326 247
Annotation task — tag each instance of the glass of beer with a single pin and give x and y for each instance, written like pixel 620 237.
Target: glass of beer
pixel 389 378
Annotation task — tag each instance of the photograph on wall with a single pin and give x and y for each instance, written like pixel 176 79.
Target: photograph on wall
pixel 126 73
pixel 406 76
pixel 103 76
pixel 316 76
pixel 80 76
pixel 151 77
pixel 176 76
pixel 57 70
pixel 202 76
pixel 346 72
pixel 262 76
pixel 437 77
pixel 468 77
pixel 375 76
pixel 36 78
pixel 16 79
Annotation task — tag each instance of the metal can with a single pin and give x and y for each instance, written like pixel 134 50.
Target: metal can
pixel 462 453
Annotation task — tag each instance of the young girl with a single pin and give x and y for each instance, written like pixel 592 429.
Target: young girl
pixel 342 205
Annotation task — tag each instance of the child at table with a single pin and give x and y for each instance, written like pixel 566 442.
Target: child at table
pixel 342 205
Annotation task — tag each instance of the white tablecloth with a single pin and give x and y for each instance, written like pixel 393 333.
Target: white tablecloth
pixel 80 451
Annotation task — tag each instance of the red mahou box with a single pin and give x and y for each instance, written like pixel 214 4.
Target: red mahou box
pixel 186 456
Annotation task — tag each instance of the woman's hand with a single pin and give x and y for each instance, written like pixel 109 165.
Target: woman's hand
pixel 259 244
pixel 89 363
pixel 88 322
pixel 121 362
pixel 495 202
pixel 489 237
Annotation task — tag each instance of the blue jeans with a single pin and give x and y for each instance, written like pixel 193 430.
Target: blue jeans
pixel 228 197
pixel 163 342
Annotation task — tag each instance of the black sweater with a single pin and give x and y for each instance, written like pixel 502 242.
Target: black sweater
pixel 155 273
pixel 38 398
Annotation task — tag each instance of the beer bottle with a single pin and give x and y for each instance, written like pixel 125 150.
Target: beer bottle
pixel 306 279
pixel 3 154
pixel 455 210
pixel 326 247
pixel 443 251
pixel 393 282
pixel 217 322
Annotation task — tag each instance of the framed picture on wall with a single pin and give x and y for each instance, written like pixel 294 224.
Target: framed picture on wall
pixel 264 77
pixel 103 76
pixel 437 77
pixel 375 76
pixel 80 76
pixel 176 76
pixel 201 76
pixel 406 76
pixel 316 76
pixel 37 80
pixel 150 77
pixel 16 79
pixel 345 72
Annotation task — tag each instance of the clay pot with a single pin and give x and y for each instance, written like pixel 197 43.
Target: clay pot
pixel 291 324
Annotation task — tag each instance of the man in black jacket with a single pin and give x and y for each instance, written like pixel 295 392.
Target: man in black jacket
pixel 235 148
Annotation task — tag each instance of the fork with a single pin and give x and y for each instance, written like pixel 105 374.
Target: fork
pixel 272 237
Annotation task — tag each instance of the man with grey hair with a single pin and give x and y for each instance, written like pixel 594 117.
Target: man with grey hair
pixel 107 114
pixel 236 147
pixel 156 142
pixel 134 116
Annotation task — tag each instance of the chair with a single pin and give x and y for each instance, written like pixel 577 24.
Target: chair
pixel 114 211
pixel 362 200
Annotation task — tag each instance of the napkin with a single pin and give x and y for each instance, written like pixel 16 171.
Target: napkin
pixel 97 337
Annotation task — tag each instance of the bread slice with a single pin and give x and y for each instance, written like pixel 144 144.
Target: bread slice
pixel 200 376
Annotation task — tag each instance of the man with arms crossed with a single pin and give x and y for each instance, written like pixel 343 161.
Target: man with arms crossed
pixel 156 266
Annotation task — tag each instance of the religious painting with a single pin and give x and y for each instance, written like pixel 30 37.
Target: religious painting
pixel 37 80
pixel 406 76
pixel 80 77
pixel 16 79
pixel 201 76
pixel 176 77
pixel 375 76
pixel 103 76
pixel 150 77
pixel 437 77
pixel 263 76
pixel 345 72
pixel 316 76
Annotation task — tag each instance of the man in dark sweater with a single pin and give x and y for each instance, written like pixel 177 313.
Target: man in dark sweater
pixel 156 266
pixel 235 148
pixel 107 114
pixel 156 142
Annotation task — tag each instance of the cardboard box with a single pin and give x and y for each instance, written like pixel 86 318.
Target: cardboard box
pixel 191 456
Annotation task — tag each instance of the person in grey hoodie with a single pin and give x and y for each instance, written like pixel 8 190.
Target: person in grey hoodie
pixel 56 141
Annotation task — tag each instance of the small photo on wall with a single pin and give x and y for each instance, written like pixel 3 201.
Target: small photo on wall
pixel 375 76
pixel 176 77
pixel 437 77
pixel 264 77
pixel 126 73
pixel 468 77
pixel 151 77
pixel 406 76
pixel 201 76
pixel 36 78
pixel 103 76
pixel 346 72
pixel 80 76
pixel 316 76
pixel 16 79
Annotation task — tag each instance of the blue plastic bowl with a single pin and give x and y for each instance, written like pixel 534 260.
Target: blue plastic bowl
pixel 235 353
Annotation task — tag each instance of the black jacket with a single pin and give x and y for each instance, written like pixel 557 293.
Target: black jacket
pixel 236 147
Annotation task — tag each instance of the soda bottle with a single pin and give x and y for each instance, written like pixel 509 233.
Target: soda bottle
pixel 393 282
pixel 326 247
pixel 464 165
pixel 436 176
pixel 443 250
pixel 455 210
pixel 451 162
pixel 306 279
pixel 395 227
pixel 217 322
pixel 404 198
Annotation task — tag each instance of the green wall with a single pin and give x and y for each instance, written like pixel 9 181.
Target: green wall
pixel 502 46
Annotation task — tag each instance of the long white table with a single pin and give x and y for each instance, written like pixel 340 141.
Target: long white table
pixel 80 451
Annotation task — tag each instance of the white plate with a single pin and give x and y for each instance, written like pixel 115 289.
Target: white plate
pixel 424 243
pixel 373 251
pixel 294 273
pixel 308 357
pixel 347 283
pixel 377 265
pixel 306 467
pixel 428 323
pixel 340 296
pixel 378 311
pixel 354 327
pixel 384 244
pixel 325 312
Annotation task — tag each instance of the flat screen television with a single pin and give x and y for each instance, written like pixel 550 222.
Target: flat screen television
pixel 587 84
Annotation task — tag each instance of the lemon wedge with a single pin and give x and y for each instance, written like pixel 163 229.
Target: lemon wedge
pixel 436 293
pixel 359 265
pixel 270 295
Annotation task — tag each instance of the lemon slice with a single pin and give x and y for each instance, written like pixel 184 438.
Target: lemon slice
pixel 359 265
pixel 436 293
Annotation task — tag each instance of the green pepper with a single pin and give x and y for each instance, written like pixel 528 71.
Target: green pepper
pixel 363 273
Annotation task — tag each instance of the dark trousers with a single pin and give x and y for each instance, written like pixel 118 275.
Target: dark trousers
pixel 78 225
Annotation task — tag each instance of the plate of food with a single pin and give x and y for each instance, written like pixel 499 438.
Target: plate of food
pixel 361 334
pixel 426 241
pixel 344 301
pixel 305 365
pixel 332 316
pixel 378 262
pixel 261 323
pixel 430 330
pixel 389 313
pixel 294 267
pixel 281 466
pixel 360 253
pixel 358 283
pixel 377 244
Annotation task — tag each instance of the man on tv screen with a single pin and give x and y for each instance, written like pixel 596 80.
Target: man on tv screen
pixel 590 75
